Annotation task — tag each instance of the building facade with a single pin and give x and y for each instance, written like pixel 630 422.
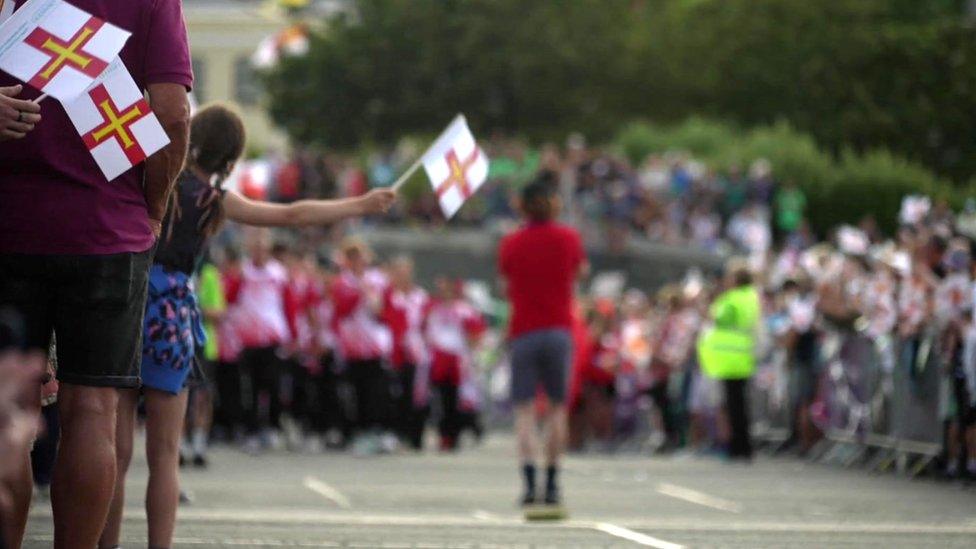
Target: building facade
pixel 223 36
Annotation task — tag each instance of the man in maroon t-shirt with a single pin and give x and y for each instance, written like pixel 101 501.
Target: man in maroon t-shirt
pixel 75 251
pixel 540 264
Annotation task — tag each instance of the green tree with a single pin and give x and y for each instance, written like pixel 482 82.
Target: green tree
pixel 855 74
pixel 398 66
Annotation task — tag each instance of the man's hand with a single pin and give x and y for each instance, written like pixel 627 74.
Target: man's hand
pixel 17 116
pixel 377 201
pixel 156 226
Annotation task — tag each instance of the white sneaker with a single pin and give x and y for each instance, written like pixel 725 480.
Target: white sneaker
pixel 333 438
pixel 293 434
pixel 388 443
pixel 313 445
pixel 272 440
pixel 366 444
pixel 186 498
pixel 252 446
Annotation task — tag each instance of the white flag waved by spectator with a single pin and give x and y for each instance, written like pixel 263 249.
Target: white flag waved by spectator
pixel 57 48
pixel 115 122
pixel 456 166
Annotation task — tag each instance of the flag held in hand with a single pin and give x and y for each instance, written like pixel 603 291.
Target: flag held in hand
pixel 456 166
pixel 58 48
pixel 115 122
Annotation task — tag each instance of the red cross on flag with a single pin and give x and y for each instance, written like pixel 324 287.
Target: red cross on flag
pixel 115 122
pixel 58 48
pixel 456 166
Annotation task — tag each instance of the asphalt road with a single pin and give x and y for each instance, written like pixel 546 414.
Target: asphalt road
pixel 468 500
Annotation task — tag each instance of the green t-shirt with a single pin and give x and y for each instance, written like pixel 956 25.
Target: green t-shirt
pixel 210 292
pixel 790 204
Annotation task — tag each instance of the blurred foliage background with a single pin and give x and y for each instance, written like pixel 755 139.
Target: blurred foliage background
pixel 849 98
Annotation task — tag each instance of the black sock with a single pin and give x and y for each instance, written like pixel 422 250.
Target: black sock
pixel 552 472
pixel 528 472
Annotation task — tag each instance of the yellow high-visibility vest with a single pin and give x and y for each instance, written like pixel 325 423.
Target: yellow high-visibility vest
pixel 727 349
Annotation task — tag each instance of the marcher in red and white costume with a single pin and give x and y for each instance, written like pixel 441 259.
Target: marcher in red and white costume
pixel 302 360
pixel 451 325
pixel 262 314
pixel 404 307
pixel 672 345
pixel 364 341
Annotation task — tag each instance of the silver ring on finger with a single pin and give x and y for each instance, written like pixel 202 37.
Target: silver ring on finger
pixel 20 116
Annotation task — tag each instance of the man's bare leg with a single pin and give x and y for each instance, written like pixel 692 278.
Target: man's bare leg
pixel 525 429
pixel 124 435
pixel 20 487
pixel 84 472
pixel 556 432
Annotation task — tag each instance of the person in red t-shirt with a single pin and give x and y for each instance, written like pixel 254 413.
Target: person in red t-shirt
pixel 540 263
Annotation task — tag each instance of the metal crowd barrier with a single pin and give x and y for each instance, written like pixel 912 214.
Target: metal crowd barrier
pixel 878 406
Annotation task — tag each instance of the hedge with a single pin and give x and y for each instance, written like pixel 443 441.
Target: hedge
pixel 840 188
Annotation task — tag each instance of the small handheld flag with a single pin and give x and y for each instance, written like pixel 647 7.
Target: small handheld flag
pixel 58 48
pixel 455 165
pixel 115 122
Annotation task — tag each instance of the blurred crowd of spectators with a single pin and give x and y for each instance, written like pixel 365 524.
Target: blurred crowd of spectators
pixel 906 301
pixel 844 318
pixel 669 198
pixel 855 329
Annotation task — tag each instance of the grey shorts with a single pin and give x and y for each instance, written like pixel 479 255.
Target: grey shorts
pixel 541 358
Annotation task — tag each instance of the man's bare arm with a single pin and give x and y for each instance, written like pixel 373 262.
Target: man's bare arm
pixel 169 102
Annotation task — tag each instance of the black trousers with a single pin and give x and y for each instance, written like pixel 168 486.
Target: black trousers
pixel 451 421
pixel 326 405
pixel 371 387
pixel 737 408
pixel 264 403
pixel 659 395
pixel 410 419
pixel 229 405
pixel 296 384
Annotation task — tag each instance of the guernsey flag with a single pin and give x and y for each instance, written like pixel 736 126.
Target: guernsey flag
pixel 57 48
pixel 456 166
pixel 115 122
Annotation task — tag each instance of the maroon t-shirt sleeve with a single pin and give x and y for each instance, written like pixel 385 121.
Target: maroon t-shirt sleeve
pixel 167 47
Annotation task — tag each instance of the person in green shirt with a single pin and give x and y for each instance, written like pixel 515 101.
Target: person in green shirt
pixel 791 206
pixel 210 295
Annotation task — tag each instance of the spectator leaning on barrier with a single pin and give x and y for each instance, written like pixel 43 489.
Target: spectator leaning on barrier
pixel 727 351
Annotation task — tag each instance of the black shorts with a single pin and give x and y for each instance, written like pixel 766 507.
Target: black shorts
pixel 94 303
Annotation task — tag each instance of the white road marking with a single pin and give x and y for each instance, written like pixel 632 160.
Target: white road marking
pixel 701 498
pixel 636 537
pixel 327 492
pixel 481 514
